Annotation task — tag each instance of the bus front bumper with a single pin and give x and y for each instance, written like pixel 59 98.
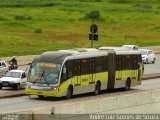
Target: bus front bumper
pixel 49 93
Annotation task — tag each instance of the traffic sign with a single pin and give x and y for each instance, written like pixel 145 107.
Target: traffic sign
pixel 93 28
pixel 93 36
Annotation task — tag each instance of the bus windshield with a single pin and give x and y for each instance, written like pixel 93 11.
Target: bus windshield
pixel 44 73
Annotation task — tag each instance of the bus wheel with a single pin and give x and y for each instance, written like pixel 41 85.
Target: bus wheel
pixel 40 96
pixel 97 88
pixel 69 92
pixel 127 85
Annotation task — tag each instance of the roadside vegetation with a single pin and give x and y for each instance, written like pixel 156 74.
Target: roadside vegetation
pixel 34 26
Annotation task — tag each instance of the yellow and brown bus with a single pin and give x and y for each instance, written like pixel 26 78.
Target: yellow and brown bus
pixel 76 71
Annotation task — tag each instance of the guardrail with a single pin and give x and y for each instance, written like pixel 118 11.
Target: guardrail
pixel 85 109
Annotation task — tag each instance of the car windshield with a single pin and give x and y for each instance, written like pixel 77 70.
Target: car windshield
pixel 13 74
pixel 144 52
pixel 44 73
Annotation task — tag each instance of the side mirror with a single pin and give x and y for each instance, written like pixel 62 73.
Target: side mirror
pixel 64 70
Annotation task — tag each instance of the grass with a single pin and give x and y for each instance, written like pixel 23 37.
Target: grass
pixel 34 26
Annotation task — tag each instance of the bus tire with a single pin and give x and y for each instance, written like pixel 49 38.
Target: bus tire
pixel 97 88
pixel 0 87
pixel 127 85
pixel 40 96
pixel 69 92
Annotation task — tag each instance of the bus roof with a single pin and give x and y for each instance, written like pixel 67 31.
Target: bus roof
pixel 52 57
pixel 120 50
pixel 59 56
pixel 113 48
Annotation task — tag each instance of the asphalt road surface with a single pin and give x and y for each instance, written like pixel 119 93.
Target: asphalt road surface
pixel 153 68
pixel 24 103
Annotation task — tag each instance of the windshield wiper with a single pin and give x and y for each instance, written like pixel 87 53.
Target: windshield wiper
pixel 44 78
pixel 42 75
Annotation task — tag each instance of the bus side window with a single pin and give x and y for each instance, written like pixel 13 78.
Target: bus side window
pixel 123 63
pixel 118 63
pixel 69 65
pixel 76 67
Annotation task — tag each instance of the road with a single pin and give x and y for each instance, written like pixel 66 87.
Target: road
pixel 153 68
pixel 24 103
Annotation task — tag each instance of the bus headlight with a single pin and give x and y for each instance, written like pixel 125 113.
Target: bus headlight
pixel 27 86
pixel 55 88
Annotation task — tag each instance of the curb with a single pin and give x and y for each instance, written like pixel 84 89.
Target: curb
pixel 151 76
pixel 11 94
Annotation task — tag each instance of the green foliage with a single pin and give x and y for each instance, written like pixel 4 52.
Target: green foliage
pixel 21 17
pixel 2 18
pixel 28 3
pixel 145 6
pixel 38 30
pixel 156 28
pixel 95 15
pixel 90 0
pixel 120 1
pixel 67 22
pixel 134 1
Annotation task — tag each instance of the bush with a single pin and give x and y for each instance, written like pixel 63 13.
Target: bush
pixel 145 6
pixel 2 18
pixel 156 28
pixel 120 1
pixel 94 15
pixel 90 0
pixel 20 17
pixel 38 30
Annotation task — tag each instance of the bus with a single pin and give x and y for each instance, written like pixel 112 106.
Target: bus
pixel 76 71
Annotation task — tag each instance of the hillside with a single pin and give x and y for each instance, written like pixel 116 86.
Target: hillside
pixel 34 26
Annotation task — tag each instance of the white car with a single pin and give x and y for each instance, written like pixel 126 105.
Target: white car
pixel 3 68
pixel 13 78
pixel 131 47
pixel 148 56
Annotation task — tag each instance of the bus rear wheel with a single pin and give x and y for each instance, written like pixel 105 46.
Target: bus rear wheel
pixel 97 88
pixel 69 92
pixel 40 96
pixel 127 85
